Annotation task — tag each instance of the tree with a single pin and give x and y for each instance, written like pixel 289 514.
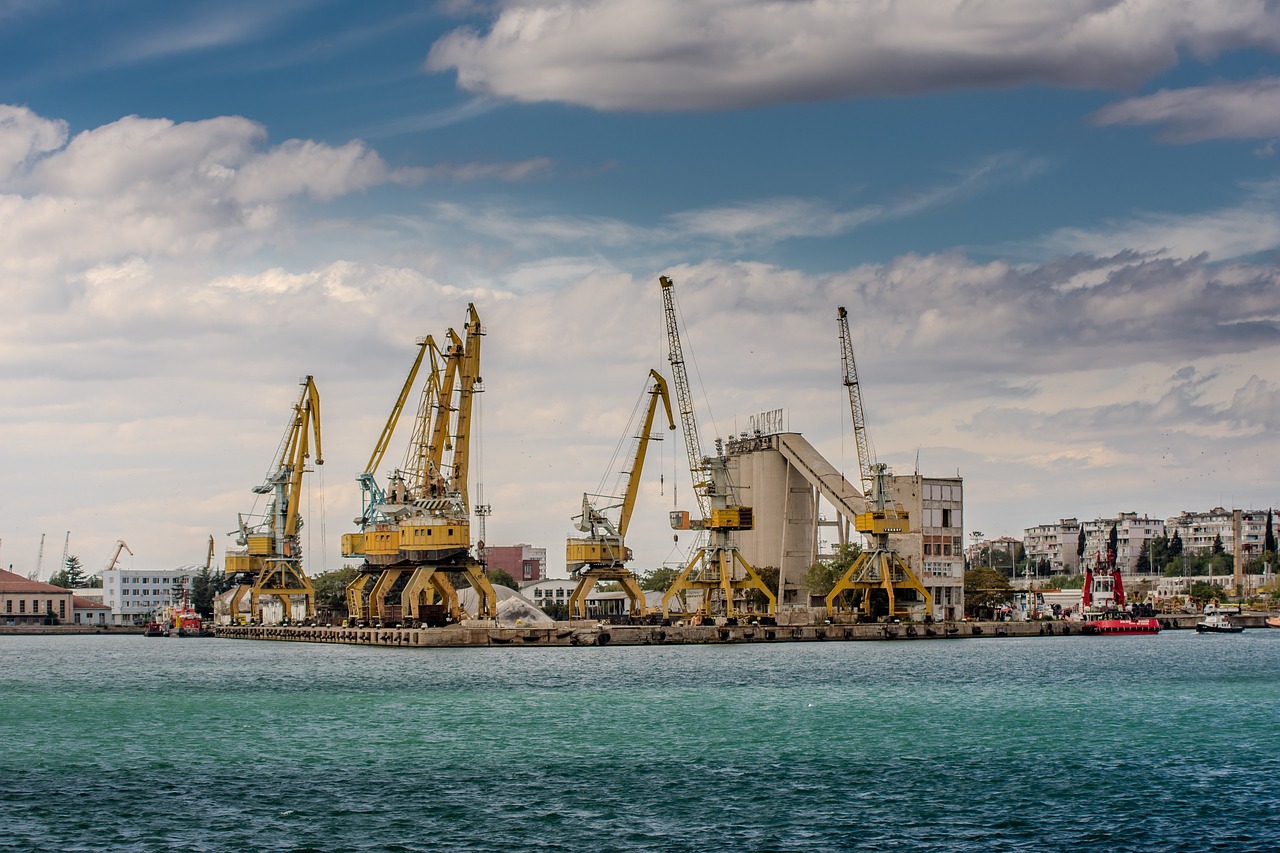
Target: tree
pixel 1080 545
pixel 71 576
pixel 331 587
pixel 985 590
pixel 768 574
pixel 1269 539
pixel 202 592
pixel 1217 545
pixel 822 576
pixel 1205 591
pixel 1175 544
pixel 500 577
pixel 1113 543
pixel 659 580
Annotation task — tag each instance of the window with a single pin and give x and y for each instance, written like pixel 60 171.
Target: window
pixel 22 605
pixel 62 609
pixel 8 605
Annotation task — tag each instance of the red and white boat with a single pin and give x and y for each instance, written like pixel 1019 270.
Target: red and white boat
pixel 1101 598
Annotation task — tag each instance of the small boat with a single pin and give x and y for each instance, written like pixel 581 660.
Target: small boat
pixel 1273 621
pixel 154 629
pixel 1217 623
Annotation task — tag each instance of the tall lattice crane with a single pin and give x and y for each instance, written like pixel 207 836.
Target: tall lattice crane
pixel 269 561
pixel 602 554
pixel 878 566
pixel 418 530
pixel 718 569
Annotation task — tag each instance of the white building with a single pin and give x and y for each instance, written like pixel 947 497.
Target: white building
pixel 1132 531
pixel 1055 543
pixel 599 604
pixel 137 596
pixel 1199 530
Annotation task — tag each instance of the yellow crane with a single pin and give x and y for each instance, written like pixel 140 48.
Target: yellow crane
pixel 115 557
pixel 269 561
pixel 718 568
pixel 878 566
pixel 417 531
pixel 602 554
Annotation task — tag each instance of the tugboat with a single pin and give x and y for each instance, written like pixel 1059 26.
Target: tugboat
pixel 186 622
pixel 1105 617
pixel 155 629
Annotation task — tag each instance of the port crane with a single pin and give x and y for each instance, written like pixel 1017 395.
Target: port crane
pixel 416 533
pixel 878 566
pixel 115 557
pixel 718 568
pixel 602 554
pixel 269 560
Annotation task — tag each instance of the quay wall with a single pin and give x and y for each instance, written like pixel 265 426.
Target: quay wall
pixel 593 634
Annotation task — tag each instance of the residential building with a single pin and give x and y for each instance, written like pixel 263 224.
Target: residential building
pixel 524 563
pixel 1132 531
pixel 1199 530
pixel 1055 543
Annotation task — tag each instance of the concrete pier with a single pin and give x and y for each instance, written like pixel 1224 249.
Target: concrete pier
pixel 595 634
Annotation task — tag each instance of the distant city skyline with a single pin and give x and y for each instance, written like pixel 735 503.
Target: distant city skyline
pixel 1054 227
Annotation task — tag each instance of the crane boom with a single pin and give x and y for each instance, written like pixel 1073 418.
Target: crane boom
pixel 469 374
pixel 642 447
pixel 865 461
pixel 602 554
pixel 684 399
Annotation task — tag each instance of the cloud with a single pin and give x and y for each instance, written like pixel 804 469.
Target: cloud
pixel 1234 232
pixel 202 27
pixel 25 136
pixel 1246 110
pixel 723 54
pixel 155 188
pixel 510 172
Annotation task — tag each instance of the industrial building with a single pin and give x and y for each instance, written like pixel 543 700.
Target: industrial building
pixel 804 507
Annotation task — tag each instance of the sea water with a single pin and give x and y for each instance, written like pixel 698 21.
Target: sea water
pixel 126 743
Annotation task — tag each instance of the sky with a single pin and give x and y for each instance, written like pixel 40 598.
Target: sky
pixel 1055 228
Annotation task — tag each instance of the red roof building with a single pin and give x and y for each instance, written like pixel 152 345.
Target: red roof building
pixel 27 602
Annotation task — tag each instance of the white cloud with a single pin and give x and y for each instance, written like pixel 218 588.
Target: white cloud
pixel 1221 234
pixel 25 136
pixel 718 54
pixel 1246 110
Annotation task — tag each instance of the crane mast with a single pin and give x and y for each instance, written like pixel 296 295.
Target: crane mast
pixel 684 398
pixel 879 566
pixel 718 570
pixel 269 562
pixel 855 405
pixel 420 530
pixel 602 554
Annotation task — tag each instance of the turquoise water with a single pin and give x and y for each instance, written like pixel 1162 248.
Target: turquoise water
pixel 128 743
